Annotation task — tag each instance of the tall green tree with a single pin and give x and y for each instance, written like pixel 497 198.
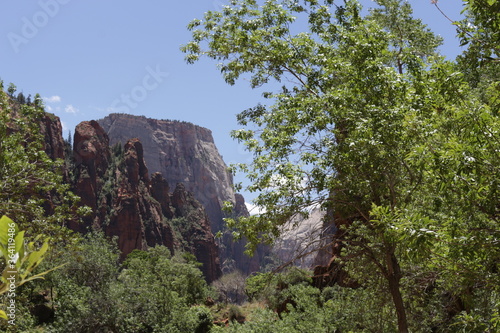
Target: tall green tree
pixel 12 89
pixel 368 123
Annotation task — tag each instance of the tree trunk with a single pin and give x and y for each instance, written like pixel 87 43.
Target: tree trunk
pixel 394 277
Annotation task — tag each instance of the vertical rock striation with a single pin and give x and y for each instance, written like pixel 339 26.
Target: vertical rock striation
pixel 92 155
pixel 51 129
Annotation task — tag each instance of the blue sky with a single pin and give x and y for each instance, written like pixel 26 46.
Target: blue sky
pixel 85 56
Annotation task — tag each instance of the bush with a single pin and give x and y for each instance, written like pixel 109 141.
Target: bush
pixel 231 288
pixel 155 292
pixel 201 319
pixel 150 292
pixel 82 288
pixel 272 288
pixel 235 314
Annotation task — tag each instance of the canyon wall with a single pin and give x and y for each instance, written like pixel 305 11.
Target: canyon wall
pixel 126 202
pixel 154 182
pixel 182 153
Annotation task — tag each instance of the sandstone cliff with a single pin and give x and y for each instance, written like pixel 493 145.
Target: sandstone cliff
pixel 182 153
pixel 51 129
pixel 301 240
pixel 186 153
pixel 126 203
pixel 143 210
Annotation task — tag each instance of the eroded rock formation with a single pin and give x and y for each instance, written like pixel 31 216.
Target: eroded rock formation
pixel 126 203
pixel 186 153
pixel 140 208
pixel 182 153
pixel 92 155
pixel 51 129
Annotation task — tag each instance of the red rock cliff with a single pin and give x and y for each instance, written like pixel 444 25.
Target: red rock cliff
pixel 182 153
pixel 126 203
pixel 186 153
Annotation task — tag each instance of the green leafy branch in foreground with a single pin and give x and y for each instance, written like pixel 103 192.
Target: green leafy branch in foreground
pixel 19 259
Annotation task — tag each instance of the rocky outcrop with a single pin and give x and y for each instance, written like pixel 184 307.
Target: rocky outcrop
pixel 92 155
pixel 301 240
pixel 240 207
pixel 186 153
pixel 54 146
pixel 194 226
pixel 182 153
pixel 160 190
pixel 189 219
pixel 139 208
pixel 134 218
pixel 51 130
pixel 329 270
pixel 139 211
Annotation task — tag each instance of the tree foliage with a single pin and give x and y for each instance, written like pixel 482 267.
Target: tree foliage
pixel 19 261
pixel 374 126
pixel 149 292
pixel 31 184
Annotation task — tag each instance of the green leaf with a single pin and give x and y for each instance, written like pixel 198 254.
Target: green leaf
pixel 3 315
pixel 5 224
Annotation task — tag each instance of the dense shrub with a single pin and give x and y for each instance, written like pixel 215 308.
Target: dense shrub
pixel 150 292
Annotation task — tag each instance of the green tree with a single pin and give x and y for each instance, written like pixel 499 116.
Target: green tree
pixel 12 89
pixel 82 291
pixel 31 184
pixel 370 123
pixel 149 292
pixel 480 30
pixel 164 291
pixel 19 261
pixel 20 98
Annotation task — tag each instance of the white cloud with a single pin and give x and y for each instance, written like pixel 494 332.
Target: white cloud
pixel 71 109
pixel 52 99
pixel 253 209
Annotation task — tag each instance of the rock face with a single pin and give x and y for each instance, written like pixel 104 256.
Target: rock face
pixel 140 211
pixel 92 156
pixel 160 190
pixel 186 153
pixel 51 129
pixel 300 244
pixel 182 153
pixel 141 208
pixel 193 224
pixel 136 220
